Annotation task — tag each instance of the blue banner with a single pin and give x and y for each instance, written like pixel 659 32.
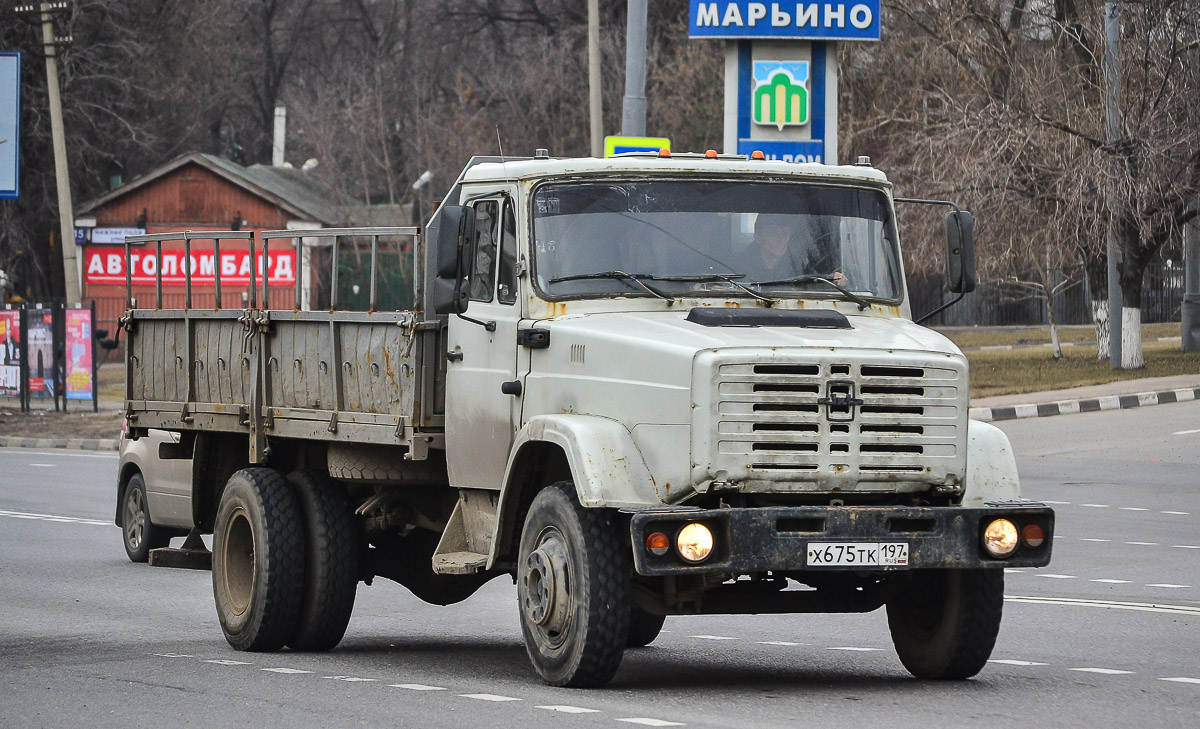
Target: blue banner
pixel 10 123
pixel 847 20
pixel 806 150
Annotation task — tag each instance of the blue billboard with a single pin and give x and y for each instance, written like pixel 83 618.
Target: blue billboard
pixel 853 20
pixel 10 123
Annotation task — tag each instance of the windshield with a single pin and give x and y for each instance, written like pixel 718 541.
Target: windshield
pixel 713 237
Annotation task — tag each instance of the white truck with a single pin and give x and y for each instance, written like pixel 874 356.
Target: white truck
pixel 616 388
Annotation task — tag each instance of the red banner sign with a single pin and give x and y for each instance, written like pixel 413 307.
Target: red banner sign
pixel 106 265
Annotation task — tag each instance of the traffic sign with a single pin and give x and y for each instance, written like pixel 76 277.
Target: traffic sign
pixel 620 145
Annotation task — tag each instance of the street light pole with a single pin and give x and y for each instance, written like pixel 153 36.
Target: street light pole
pixel 66 216
pixel 595 97
pixel 633 118
pixel 1112 75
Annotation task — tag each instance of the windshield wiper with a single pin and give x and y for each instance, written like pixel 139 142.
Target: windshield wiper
pixel 728 278
pixel 797 280
pixel 618 275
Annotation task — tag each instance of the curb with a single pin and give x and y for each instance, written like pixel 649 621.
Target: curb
pixel 1090 405
pixel 78 444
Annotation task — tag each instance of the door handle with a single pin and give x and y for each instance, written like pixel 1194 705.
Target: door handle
pixel 511 388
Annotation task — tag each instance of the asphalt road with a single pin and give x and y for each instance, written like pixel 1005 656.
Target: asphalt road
pixel 1106 636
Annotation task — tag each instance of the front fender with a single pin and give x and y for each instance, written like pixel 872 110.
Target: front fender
pixel 991 466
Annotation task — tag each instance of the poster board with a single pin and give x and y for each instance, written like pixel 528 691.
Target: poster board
pixel 80 375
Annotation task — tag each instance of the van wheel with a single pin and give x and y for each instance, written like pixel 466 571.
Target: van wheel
pixel 258 560
pixel 138 532
pixel 644 627
pixel 573 590
pixel 944 623
pixel 331 561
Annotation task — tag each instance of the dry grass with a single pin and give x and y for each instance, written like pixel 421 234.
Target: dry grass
pixel 975 337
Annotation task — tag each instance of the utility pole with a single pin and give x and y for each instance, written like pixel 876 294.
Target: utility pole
pixel 1112 115
pixel 1190 308
pixel 633 119
pixel 66 211
pixel 595 97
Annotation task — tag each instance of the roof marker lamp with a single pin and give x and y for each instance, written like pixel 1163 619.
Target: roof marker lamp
pixel 694 542
pixel 1000 538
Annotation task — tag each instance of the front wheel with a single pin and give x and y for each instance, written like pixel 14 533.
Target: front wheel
pixel 573 589
pixel 944 623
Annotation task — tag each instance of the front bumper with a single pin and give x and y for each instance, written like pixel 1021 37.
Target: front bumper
pixel 750 540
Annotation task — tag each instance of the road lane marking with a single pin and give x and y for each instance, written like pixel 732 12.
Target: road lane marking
pixel 712 637
pixel 1056 503
pixel 43 465
pixel 568 709
pixel 59 454
pixel 351 679
pixel 1144 544
pixel 1094 539
pixel 228 662
pixel 1186 546
pixel 1175 513
pixel 416 687
pixel 1057 577
pixel 286 670
pixel 488 697
pixel 1010 662
pixel 1167 584
pixel 780 642
pixel 52 517
pixel 1103 671
pixel 651 722
pixel 1115 604
pixel 172 655
pixel 852 648
pixel 1096 506
pixel 1111 582
pixel 1011 571
pixel 1181 679
pixel 1134 508
pixel 1186 432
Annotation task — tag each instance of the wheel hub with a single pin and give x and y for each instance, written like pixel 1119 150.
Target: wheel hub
pixel 547 598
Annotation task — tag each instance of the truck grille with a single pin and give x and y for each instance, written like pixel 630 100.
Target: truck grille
pixel 843 422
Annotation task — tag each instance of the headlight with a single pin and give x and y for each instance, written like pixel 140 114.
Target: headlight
pixel 1000 538
pixel 695 542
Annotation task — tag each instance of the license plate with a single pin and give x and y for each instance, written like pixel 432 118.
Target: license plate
pixel 857 554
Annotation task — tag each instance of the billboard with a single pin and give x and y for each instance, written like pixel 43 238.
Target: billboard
pixel 79 384
pixel 39 327
pixel 10 126
pixel 10 353
pixel 106 265
pixel 744 19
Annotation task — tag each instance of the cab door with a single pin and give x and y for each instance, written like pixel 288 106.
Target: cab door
pixel 483 401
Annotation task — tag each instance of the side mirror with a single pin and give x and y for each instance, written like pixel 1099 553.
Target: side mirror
pixel 101 333
pixel 960 252
pixel 455 256
pixel 109 344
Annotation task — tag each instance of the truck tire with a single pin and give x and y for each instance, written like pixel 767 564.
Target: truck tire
pixel 381 465
pixel 138 531
pixel 331 561
pixel 944 624
pixel 573 590
pixel 644 627
pixel 258 560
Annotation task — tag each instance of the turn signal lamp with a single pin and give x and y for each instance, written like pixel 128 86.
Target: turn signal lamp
pixel 664 152
pixel 1000 538
pixel 1033 536
pixel 694 542
pixel 757 154
pixel 658 544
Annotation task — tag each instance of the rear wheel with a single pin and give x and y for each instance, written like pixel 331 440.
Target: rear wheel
pixel 331 561
pixel 138 532
pixel 572 589
pixel 258 560
pixel 644 627
pixel 944 624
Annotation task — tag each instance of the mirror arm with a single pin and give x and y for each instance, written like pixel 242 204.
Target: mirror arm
pixel 488 325
pixel 940 309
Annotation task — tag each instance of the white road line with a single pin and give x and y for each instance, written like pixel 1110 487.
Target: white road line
pixel 286 670
pixel 1181 679
pixel 1104 671
pixel 416 687
pixel 1111 582
pixel 228 662
pixel 1096 506
pixel 1055 503
pixel 1186 546
pixel 172 655
pixel 1114 604
pixel 351 679
pixel 1167 584
pixel 712 637
pixel 651 722
pixel 488 697
pixel 1057 577
pixel 1144 544
pixel 1186 432
pixel 52 517
pixel 1011 571
pixel 1134 508
pixel 779 642
pixel 60 454
pixel 1010 662
pixel 568 709
pixel 43 465
pixel 1174 513
pixel 1093 539
pixel 852 648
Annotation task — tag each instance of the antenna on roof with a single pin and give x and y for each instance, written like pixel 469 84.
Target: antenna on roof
pixel 499 143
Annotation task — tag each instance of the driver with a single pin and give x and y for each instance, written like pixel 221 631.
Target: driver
pixel 776 256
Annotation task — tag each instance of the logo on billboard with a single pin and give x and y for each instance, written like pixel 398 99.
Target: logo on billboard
pixel 780 93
